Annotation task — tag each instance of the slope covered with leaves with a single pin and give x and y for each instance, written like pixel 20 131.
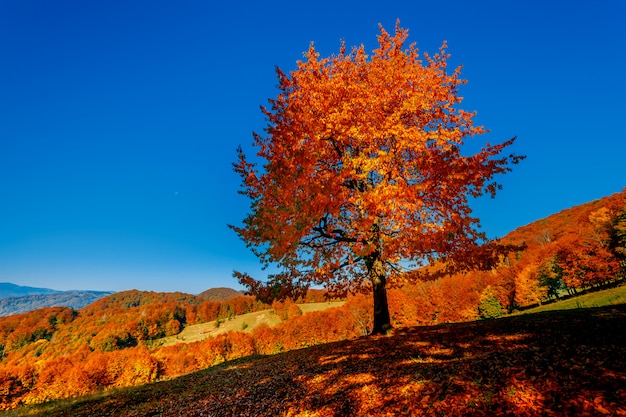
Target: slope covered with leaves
pixel 564 363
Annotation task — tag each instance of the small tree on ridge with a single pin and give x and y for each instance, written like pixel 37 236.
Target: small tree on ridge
pixel 363 172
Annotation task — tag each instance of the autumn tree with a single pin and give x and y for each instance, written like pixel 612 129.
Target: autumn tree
pixel 489 306
pixel 364 171
pixel 551 277
pixel 618 239
pixel 528 288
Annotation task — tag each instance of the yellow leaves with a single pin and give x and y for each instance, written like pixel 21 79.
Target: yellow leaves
pixel 602 218
pixel 527 287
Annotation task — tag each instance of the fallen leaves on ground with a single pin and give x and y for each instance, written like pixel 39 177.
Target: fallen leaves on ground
pixel 548 364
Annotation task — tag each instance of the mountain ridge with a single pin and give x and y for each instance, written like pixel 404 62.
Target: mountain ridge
pixel 27 303
pixel 17 299
pixel 8 289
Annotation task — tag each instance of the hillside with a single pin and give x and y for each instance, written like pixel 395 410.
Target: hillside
pixel 133 338
pixel 561 363
pixel 8 289
pixel 575 250
pixel 16 299
pixel 71 299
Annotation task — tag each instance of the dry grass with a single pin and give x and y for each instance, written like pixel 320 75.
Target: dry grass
pixel 605 297
pixel 198 332
pixel 309 307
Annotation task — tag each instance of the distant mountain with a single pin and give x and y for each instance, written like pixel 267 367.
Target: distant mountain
pixel 220 294
pixel 26 303
pixel 8 289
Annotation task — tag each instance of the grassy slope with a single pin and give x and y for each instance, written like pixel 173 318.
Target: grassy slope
pixel 244 322
pixel 309 307
pixel 602 298
pixel 568 362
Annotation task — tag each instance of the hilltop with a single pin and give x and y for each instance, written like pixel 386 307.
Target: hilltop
pixel 565 363
pixel 220 294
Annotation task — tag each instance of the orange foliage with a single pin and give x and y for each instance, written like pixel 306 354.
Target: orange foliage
pixel 571 249
pixel 104 344
pixel 19 330
pixel 286 309
pixel 310 329
pixel 528 290
pixel 363 170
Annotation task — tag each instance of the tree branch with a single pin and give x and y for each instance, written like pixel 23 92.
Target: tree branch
pixel 335 236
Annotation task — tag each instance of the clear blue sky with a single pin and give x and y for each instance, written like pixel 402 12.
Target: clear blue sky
pixel 119 120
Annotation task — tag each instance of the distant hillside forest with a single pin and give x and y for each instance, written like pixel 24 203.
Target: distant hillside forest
pixel 16 299
pixel 114 342
pixel 26 303
pixel 8 289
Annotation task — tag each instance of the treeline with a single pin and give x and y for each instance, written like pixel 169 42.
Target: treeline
pixel 579 249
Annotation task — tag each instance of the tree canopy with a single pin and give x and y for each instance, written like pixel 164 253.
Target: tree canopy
pixel 364 171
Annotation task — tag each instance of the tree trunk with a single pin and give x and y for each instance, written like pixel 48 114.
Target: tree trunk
pixel 382 321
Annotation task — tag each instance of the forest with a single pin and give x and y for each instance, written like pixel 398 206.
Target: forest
pixel 60 352
pixel 23 304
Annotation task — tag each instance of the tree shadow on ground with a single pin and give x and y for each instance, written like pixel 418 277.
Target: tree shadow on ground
pixel 559 363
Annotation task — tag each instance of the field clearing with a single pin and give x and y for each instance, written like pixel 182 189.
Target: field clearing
pixel 309 307
pixel 243 323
